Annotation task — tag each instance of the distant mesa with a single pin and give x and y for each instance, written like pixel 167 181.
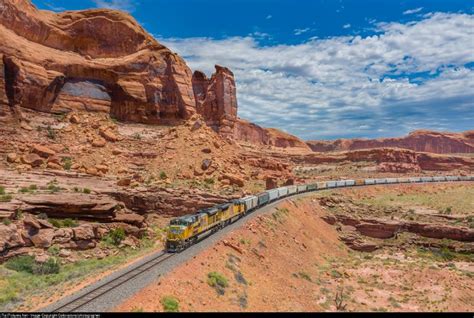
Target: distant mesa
pixel 420 140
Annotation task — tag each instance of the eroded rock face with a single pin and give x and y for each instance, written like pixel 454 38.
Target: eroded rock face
pixel 216 99
pixel 94 60
pixel 392 160
pixel 421 140
pixel 252 133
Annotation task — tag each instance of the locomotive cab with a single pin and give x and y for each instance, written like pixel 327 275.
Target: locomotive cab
pixel 179 232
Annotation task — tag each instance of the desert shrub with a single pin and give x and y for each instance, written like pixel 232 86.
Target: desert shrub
pixel 218 281
pixel 305 276
pixel 163 175
pixel 54 250
pixel 21 264
pixel 63 223
pixel 137 136
pixel 170 304
pixel 115 237
pixel 6 221
pixel 53 187
pixel 67 163
pixel 209 181
pixel 50 133
pixel 2 190
pixel 30 189
pixel 51 266
pixel 86 190
pixel 6 198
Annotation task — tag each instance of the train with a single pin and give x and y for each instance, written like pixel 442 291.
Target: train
pixel 185 231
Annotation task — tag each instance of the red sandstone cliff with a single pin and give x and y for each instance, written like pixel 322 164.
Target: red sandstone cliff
pixel 421 140
pixel 249 132
pixel 102 60
pixel 95 60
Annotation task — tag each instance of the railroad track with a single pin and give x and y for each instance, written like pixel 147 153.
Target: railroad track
pixel 97 292
pixel 76 303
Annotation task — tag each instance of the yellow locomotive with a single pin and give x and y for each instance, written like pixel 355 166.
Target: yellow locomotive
pixel 184 231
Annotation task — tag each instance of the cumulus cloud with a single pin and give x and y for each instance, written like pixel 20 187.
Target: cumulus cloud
pixel 412 11
pixel 405 77
pixel 124 5
pixel 346 26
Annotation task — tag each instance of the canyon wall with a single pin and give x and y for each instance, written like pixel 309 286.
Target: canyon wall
pixel 421 140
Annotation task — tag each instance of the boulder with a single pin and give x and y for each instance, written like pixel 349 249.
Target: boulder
pixel 206 163
pixel 42 151
pixel 130 218
pixel 10 237
pixel 99 142
pixel 43 238
pixel 108 135
pixel 32 159
pixel 12 157
pixel 71 205
pixel 270 183
pixel 233 179
pixel 84 232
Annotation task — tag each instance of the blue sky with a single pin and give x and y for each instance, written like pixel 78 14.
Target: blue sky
pixel 325 69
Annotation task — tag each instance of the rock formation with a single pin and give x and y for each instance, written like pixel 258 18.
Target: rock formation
pixel 94 60
pixel 216 99
pixel 391 160
pixel 421 140
pixel 103 61
pixel 249 132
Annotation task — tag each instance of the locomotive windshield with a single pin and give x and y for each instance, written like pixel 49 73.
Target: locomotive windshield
pixel 176 229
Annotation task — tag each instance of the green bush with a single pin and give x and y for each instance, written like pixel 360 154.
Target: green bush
pixel 50 267
pixel 21 264
pixel 51 133
pixel 163 175
pixel 86 190
pixel 67 163
pixel 63 223
pixel 2 190
pixel 115 237
pixel 27 264
pixel 6 221
pixel 215 279
pixel 53 187
pixel 18 214
pixel 209 181
pixel 6 198
pixel 170 304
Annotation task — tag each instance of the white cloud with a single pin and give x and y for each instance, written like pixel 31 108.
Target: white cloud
pixel 54 7
pixel 124 5
pixel 269 17
pixel 301 31
pixel 412 11
pixel 406 77
pixel 346 26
